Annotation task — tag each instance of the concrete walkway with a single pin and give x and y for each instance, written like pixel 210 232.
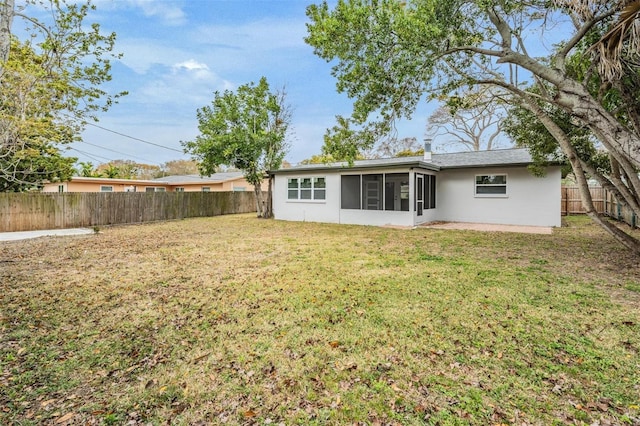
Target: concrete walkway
pixel 546 230
pixel 25 235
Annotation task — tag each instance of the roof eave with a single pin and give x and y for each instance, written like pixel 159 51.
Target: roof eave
pixel 356 167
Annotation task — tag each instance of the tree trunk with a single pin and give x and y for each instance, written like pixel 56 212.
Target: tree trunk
pixel 268 208
pixel 259 199
pixel 625 239
pixel 6 19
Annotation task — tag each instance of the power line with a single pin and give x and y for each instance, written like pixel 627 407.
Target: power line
pixel 136 139
pixel 92 156
pixel 118 152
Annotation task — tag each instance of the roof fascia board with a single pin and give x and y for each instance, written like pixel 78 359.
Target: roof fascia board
pixel 357 168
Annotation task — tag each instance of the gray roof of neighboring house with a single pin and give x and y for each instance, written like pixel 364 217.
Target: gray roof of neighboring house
pixel 186 179
pixel 469 159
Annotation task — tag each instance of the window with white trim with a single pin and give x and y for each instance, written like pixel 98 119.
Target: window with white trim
pixel 179 189
pixel 206 189
pixel 491 185
pixel 307 188
pixel 106 188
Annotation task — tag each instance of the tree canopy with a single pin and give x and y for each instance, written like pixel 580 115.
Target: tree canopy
pixel 49 86
pixel 473 122
pixel 576 56
pixel 245 129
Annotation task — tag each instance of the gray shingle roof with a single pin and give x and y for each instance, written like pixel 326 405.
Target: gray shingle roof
pixel 498 157
pixel 469 159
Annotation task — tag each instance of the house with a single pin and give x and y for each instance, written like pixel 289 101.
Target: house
pixel 481 187
pixel 227 181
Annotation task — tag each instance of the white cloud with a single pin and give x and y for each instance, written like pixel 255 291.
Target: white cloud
pixel 189 83
pixel 191 65
pixel 261 35
pixel 169 12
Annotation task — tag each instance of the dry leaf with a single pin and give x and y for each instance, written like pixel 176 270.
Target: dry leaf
pixel 65 418
pixel 249 414
pixel 334 343
pixel 47 402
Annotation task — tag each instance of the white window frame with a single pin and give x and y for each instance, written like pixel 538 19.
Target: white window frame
pixel 206 189
pixel 504 185
pixel 179 189
pixel 106 188
pixel 314 191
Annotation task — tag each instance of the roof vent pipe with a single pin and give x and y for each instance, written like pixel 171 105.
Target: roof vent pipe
pixel 427 149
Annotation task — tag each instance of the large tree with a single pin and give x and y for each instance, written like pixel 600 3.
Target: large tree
pixel 245 129
pixel 388 54
pixel 49 86
pixel 177 167
pixel 472 122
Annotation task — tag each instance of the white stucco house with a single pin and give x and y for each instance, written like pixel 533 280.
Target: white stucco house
pixel 493 187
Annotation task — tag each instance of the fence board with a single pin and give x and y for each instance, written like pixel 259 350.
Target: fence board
pixel 572 202
pixel 27 212
pixel 603 201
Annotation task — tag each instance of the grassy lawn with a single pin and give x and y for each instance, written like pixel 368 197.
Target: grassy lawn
pixel 244 321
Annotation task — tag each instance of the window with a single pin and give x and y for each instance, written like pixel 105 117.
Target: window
pixel 206 189
pixel 350 192
pixel 239 188
pixel 180 189
pixel 388 191
pixel 106 188
pixel 60 188
pixel 429 191
pixel 491 185
pixel 306 188
pixel 155 189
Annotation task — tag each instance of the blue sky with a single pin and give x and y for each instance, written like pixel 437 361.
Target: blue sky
pixel 178 52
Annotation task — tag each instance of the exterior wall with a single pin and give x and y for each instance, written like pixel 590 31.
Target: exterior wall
pixel 376 217
pixel 529 201
pixel 310 210
pixel 124 185
pixel 91 186
pixel 329 210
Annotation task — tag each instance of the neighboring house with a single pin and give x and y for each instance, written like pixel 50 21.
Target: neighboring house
pixel 229 181
pixel 481 187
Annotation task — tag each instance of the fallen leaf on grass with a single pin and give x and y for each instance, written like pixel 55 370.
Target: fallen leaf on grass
pixel 249 414
pixel 47 402
pixel 65 418
pixel 334 343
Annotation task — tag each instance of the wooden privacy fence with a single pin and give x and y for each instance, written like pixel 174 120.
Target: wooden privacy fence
pixel 28 212
pixel 603 201
pixel 572 203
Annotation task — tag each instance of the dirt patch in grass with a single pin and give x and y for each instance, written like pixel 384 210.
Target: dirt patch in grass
pixel 243 321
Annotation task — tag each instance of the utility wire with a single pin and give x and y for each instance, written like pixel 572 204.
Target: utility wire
pixel 92 156
pixel 118 152
pixel 136 139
